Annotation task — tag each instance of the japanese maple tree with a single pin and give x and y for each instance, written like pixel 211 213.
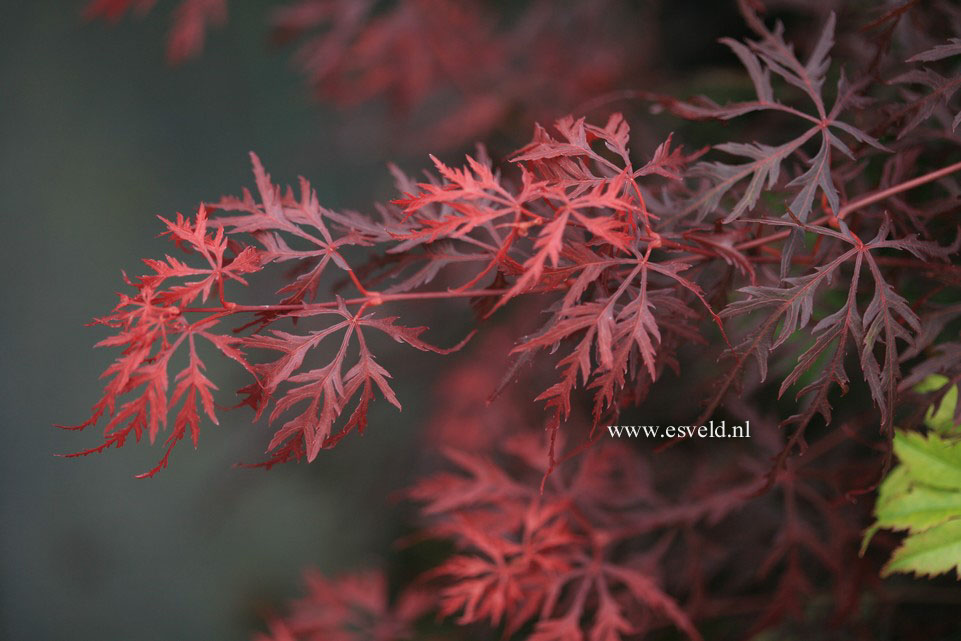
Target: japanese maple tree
pixel 808 253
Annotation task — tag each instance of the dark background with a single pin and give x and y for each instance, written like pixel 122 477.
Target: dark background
pixel 98 136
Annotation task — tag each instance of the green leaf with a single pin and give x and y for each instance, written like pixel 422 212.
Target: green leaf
pixel 942 419
pixel 931 383
pixel 929 553
pixel 922 496
pixel 920 509
pixel 931 461
pixel 892 490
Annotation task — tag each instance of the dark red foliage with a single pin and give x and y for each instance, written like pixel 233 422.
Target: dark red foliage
pixel 751 278
pixel 430 57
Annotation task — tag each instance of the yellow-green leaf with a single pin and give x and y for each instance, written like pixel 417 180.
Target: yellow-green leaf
pixel 933 461
pixel 922 495
pixel 929 553
pixel 919 509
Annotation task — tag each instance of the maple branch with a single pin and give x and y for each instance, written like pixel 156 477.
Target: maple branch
pixel 367 300
pixel 897 189
pixel 864 201
pixel 891 261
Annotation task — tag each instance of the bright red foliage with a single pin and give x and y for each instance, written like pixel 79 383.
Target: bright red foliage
pixel 153 324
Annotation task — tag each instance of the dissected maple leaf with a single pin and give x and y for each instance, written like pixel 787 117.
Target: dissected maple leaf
pixel 772 54
pixel 555 556
pixel 163 316
pixel 326 390
pixel 151 326
pixel 942 87
pixel 886 320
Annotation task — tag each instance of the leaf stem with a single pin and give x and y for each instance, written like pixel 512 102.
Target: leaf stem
pixel 351 301
pixel 896 189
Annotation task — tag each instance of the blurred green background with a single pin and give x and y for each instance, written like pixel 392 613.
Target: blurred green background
pixel 98 136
